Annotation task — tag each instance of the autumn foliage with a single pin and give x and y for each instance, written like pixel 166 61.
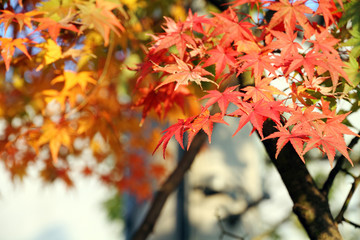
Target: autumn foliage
pixel 67 83
pixel 65 92
pixel 299 70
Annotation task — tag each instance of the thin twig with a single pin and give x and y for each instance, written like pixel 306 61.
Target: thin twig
pixel 249 206
pixel 340 216
pixel 273 228
pixel 351 222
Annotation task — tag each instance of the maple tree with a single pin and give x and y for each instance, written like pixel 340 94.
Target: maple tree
pixel 68 82
pixel 299 71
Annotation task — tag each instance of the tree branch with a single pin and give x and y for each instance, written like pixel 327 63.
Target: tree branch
pixel 338 166
pixel 340 216
pixel 351 223
pixel 168 187
pixel 310 204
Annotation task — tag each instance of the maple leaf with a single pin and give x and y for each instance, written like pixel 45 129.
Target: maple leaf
pixel 182 73
pixel 221 57
pixel 288 13
pixel 262 90
pixel 176 130
pixel 100 17
pixel 161 100
pixel 71 79
pixel 222 98
pixel 325 42
pixel 299 93
pixel 308 62
pixel 257 113
pixel 315 84
pixel 258 61
pixel 333 64
pixel 61 96
pixel 146 67
pixel 7 17
pixel 195 22
pixel 55 135
pixel 304 118
pixel 54 27
pixel 327 8
pixel 8 48
pixel 227 23
pixel 296 139
pixel 204 121
pixel 50 53
pixel 323 61
pixel 285 42
pixel 174 35
pixel 334 126
pixel 327 144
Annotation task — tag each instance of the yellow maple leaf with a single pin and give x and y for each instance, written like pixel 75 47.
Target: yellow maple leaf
pixel 71 79
pixel 55 135
pixel 51 52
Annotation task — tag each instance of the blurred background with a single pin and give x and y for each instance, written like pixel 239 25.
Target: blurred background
pixel 231 192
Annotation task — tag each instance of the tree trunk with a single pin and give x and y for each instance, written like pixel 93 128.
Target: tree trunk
pixel 310 204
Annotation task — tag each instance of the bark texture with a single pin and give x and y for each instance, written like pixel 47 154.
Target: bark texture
pixel 168 187
pixel 310 204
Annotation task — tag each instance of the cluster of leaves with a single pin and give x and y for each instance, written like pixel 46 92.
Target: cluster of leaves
pixel 65 91
pixel 300 70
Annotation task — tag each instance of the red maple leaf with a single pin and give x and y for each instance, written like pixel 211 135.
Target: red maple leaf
pixel 195 22
pixel 285 42
pixel 161 100
pixel 325 42
pixel 290 13
pixel 221 57
pixel 308 62
pixel 182 73
pixel 257 113
pixel 222 98
pixel 204 121
pixel 296 139
pixel 227 23
pixel 176 130
pixel 327 144
pixel 258 62
pixel 304 119
pixel 175 34
pixel 327 9
pixel 261 91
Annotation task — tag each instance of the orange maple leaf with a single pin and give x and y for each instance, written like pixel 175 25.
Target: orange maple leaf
pixel 8 48
pixel 7 17
pixel 100 17
pixel 55 135
pixel 54 27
